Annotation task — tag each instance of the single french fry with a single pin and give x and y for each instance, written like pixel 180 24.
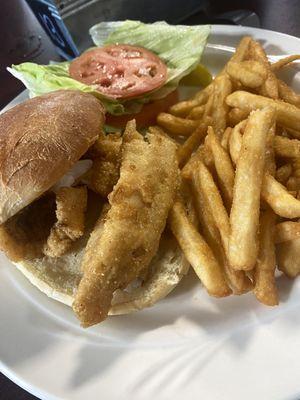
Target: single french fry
pixel 269 87
pixel 249 73
pixel 185 151
pixel 208 106
pixel 225 138
pixel 287 94
pixel 196 112
pixel 237 280
pixel 279 199
pixel 202 96
pixel 222 88
pixel 244 216
pixel 284 61
pixel 287 230
pixel 212 194
pixel 182 108
pixel 207 156
pixel 265 288
pixel 288 257
pixel 283 173
pixel 235 140
pixel 287 114
pixel 223 167
pixel 287 148
pixel 176 125
pixel 270 165
pixel 197 252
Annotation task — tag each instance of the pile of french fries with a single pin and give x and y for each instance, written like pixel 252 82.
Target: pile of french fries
pixel 237 216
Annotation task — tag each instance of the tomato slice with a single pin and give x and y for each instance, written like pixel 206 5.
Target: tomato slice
pixel 120 71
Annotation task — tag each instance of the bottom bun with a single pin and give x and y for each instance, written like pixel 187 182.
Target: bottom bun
pixel 59 277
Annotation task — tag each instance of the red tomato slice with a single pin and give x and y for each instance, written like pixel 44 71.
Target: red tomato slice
pixel 120 71
pixel 147 116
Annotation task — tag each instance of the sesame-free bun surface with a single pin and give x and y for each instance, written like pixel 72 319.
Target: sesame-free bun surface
pixel 40 140
pixel 59 277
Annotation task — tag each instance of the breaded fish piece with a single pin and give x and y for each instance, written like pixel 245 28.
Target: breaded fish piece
pixel 122 246
pixel 105 171
pixel 71 205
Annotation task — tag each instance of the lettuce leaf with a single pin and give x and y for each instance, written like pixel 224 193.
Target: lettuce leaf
pixel 180 47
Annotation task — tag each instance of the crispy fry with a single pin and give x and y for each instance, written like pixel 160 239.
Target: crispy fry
pixel 70 212
pixel 270 165
pixel 183 108
pixel 287 94
pixel 283 173
pixel 236 115
pixel 209 105
pixel 287 148
pixel 265 288
pixel 223 167
pixel 225 138
pixel 211 193
pixel 202 96
pixel 287 230
pixel 249 73
pixel 237 280
pixel 196 112
pixel 288 257
pixel 269 87
pixel 235 140
pixel 176 125
pixel 222 88
pixel 184 152
pixel 279 199
pixel 244 216
pixel 286 114
pixel 197 252
pixel 122 246
pixel 284 61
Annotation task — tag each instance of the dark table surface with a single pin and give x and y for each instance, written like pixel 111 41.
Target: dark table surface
pixel 277 15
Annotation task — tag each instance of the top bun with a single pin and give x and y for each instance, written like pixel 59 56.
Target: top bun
pixel 40 140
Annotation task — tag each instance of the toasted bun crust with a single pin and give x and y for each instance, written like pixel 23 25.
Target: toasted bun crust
pixel 40 140
pixel 59 277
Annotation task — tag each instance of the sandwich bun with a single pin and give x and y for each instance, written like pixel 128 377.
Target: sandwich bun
pixel 40 140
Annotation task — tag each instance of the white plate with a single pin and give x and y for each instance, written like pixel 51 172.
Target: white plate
pixel 188 346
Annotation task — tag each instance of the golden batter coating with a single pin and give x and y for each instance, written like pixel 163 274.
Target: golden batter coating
pixel 126 239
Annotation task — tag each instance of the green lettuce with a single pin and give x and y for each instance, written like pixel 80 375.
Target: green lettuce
pixel 180 47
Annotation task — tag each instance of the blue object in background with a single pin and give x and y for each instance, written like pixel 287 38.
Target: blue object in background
pixel 50 19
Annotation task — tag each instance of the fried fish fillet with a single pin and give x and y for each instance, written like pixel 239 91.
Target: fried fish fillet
pixel 104 173
pixel 123 244
pixel 71 203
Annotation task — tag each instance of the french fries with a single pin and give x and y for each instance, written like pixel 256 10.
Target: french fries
pixel 284 61
pixel 197 252
pixel 286 114
pixel 223 167
pixel 222 88
pixel 185 151
pixel 244 216
pixel 249 73
pixel 287 230
pixel 240 169
pixel 279 199
pixel 288 257
pixel 286 148
pixel 283 173
pixel 265 287
pixel 176 125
